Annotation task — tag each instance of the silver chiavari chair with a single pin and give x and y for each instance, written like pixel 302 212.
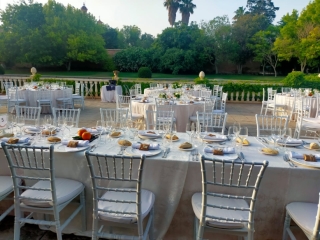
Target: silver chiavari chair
pixel 265 123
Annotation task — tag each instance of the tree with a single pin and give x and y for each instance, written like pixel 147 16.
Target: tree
pixel 172 7
pixel 262 46
pixel 131 35
pixel 110 37
pixel 262 7
pixel 186 8
pixel 239 13
pixel 219 30
pixel 146 40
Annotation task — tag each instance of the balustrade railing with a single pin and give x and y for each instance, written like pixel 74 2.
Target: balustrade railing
pixel 93 87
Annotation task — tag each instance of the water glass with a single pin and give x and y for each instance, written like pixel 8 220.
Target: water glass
pixel 99 128
pixel 20 122
pixel 243 133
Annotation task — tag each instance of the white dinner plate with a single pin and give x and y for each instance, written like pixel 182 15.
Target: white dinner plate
pixel 116 136
pixel 307 146
pixel 231 156
pixel 136 152
pixel 265 153
pixel 53 142
pixel 188 149
pixel 63 148
pixel 31 131
pixel 290 144
pixel 305 163
pixel 176 140
pixel 149 137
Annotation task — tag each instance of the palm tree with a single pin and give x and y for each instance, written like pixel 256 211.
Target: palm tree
pixel 186 8
pixel 239 13
pixel 172 7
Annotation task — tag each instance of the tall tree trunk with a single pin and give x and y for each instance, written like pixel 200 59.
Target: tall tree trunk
pixel 263 68
pixel 185 18
pixel 239 68
pixel 303 64
pixel 217 69
pixel 68 65
pixel 172 14
pixel 275 71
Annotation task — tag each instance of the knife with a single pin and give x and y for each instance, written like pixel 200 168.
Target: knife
pixel 242 156
pixel 93 147
pixel 168 150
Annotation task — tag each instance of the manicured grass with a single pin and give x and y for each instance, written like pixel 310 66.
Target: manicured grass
pixel 154 75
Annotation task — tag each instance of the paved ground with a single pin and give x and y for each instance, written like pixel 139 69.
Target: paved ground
pixel 240 112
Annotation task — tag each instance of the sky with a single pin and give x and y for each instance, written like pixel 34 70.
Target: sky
pixel 151 17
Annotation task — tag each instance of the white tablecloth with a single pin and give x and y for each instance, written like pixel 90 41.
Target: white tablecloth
pixel 31 98
pixel 109 96
pixel 182 112
pixel 152 92
pixel 174 180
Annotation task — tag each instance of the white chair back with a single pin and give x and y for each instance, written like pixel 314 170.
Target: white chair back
pixel 205 93
pixel 116 115
pixel 30 114
pixel 127 202
pixel 123 102
pixel 153 85
pixel 138 88
pixel 72 114
pixel 265 123
pixel 216 208
pixel 159 120
pixel 212 121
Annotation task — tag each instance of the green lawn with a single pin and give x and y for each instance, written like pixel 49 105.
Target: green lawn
pixel 154 75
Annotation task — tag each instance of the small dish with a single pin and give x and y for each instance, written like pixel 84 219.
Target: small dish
pixel 187 149
pixel 266 153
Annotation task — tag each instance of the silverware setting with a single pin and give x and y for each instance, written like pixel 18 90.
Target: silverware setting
pixel 166 152
pixel 92 148
pixel 194 155
pixel 122 148
pixel 286 159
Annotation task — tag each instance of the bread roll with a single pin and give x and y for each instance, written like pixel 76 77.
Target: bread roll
pixel 151 132
pixel 245 142
pixel 174 137
pixel 144 147
pixel 47 132
pixel 314 146
pixel 53 139
pixel 269 151
pixel 309 158
pixel 124 142
pixel 72 144
pixel 115 134
pixel 13 140
pixel 185 145
pixel 218 152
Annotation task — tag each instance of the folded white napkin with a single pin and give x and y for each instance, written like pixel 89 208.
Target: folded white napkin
pixel 21 140
pixel 216 137
pixel 92 130
pixel 31 128
pixel 153 146
pixel 291 141
pixel 81 143
pixel 300 155
pixel 226 150
pixel 145 133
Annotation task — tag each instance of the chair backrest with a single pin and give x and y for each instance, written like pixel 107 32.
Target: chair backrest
pixel 300 116
pixel 7 85
pixel 30 114
pixel 227 175
pixel 72 114
pixel 164 104
pixel 205 93
pixel 212 121
pixel 271 94
pixel 40 161
pixel 77 88
pixel 116 115
pixel 265 123
pixel 106 170
pixel 122 101
pixel 224 101
pixel 158 120
pixel 220 91
pixel 209 104
pixel 133 92
pixel 138 88
pixel 13 93
pixel 43 95
pixel 153 85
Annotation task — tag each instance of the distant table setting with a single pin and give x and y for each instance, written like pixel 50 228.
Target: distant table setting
pixel 108 92
pixel 172 171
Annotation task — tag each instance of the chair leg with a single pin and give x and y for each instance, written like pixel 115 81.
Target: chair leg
pixel 94 226
pixel 83 212
pixel 286 226
pixel 151 230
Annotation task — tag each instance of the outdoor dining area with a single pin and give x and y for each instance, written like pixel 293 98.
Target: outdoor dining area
pixel 163 163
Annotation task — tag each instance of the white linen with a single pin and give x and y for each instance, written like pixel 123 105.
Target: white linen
pixel 21 139
pixel 31 128
pixel 152 146
pixel 92 130
pixel 226 150
pixel 81 143
pixel 110 96
pixel 216 137
pixel 300 155
pixel 6 185
pixel 146 134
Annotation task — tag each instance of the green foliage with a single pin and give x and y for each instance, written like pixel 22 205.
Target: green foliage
pixel 2 71
pixel 264 7
pixel 295 79
pixel 201 81
pixel 144 72
pixel 35 77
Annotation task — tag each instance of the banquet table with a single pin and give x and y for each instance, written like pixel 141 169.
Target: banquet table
pixel 153 92
pixel 182 111
pixel 288 101
pixel 31 97
pixel 110 96
pixel 175 179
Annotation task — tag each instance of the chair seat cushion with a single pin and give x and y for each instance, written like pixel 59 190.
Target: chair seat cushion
pixel 147 201
pixel 197 202
pixel 66 189
pixel 77 97
pixel 63 99
pixel 6 185
pixel 303 214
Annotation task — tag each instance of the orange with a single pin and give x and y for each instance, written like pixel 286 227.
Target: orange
pixel 86 136
pixel 81 131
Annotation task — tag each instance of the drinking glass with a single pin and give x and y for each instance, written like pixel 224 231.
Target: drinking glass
pixel 243 133
pixel 68 123
pixel 274 136
pixel 286 134
pixel 20 122
pixel 173 130
pixel 231 135
pixel 236 128
pixel 99 128
pixel 60 124
pixel 188 130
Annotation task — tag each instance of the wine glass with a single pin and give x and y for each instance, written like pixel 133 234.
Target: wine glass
pixel 61 125
pixel 99 128
pixel 286 135
pixel 231 135
pixel 236 128
pixel 243 133
pixel 274 135
pixel 20 122
pixel 188 130
pixel 173 131
pixel 68 123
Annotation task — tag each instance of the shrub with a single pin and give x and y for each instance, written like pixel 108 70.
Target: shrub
pixel 295 79
pixel 144 72
pixel 1 70
pixel 201 81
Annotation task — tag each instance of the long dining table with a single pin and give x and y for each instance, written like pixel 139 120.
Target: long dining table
pixel 176 178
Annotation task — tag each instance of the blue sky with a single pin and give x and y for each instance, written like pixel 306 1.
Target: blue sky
pixel 151 17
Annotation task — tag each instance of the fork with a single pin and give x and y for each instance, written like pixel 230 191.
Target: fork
pixel 122 148
pixel 195 155
pixel 287 158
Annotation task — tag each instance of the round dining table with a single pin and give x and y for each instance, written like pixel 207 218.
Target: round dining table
pixel 107 93
pixel 182 111
pixel 155 91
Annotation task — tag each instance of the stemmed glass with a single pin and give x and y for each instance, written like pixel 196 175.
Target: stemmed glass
pixel 286 134
pixel 60 123
pixel 231 135
pixel 68 123
pixel 188 130
pixel 173 131
pixel 20 122
pixel 99 128
pixel 236 128
pixel 274 136
pixel 243 133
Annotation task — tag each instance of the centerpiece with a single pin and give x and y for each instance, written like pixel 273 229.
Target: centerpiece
pixel 163 95
pixel 177 95
pixel 176 85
